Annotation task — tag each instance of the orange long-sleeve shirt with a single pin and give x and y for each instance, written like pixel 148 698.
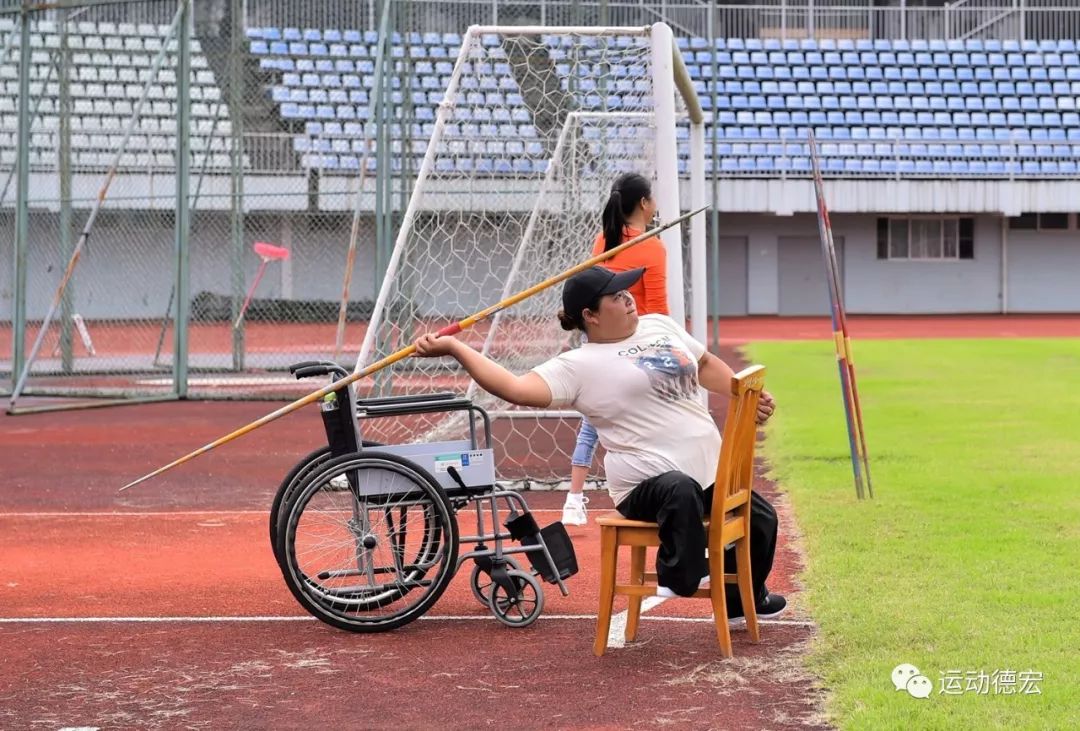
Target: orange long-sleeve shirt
pixel 650 292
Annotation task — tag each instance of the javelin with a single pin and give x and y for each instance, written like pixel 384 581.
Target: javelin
pixel 406 352
pixel 844 362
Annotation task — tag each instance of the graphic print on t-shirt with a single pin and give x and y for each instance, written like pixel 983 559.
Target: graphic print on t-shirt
pixel 671 373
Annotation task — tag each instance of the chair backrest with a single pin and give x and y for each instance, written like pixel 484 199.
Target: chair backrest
pixel 735 472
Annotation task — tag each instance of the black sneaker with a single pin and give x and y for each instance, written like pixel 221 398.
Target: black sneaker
pixel 771 607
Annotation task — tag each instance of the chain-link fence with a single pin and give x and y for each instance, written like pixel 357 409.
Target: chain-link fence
pixel 195 196
pixel 89 188
pixel 201 192
pixel 281 129
pixel 102 134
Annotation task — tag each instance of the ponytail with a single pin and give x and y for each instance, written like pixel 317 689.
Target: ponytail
pixel 627 192
pixel 614 220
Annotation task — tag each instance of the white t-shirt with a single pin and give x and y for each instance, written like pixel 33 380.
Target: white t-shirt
pixel 642 395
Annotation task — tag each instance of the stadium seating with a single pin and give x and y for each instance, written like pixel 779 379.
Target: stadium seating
pixel 110 63
pixel 933 108
pixel 918 108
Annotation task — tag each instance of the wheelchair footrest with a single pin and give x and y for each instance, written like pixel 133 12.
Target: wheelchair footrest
pixel 560 547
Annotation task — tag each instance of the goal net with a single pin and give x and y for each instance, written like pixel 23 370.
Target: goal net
pixel 535 125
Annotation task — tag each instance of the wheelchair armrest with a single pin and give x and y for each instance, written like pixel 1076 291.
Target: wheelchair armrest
pixel 414 407
pixel 405 399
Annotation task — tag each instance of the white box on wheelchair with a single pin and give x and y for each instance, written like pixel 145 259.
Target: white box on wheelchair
pixel 475 466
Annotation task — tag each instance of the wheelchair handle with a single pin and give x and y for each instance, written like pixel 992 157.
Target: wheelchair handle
pixel 311 368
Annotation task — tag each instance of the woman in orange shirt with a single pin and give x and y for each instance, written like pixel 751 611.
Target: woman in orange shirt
pixel 629 210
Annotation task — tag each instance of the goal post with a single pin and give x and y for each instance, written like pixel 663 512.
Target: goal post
pixel 534 126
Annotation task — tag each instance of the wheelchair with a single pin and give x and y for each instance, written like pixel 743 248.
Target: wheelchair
pixel 367 535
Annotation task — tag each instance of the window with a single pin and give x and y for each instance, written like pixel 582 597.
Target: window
pixel 1041 222
pixel 926 238
pixel 1024 222
pixel 1053 221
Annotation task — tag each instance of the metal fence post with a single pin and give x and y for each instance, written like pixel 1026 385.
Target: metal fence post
pixel 236 175
pixel 63 60
pixel 384 119
pixel 714 214
pixel 183 208
pixel 22 194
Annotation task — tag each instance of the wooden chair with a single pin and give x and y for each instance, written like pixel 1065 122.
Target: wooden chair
pixel 728 522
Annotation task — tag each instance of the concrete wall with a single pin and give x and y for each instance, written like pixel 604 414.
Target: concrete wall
pixel 876 286
pixel 803 287
pixel 870 285
pixel 127 268
pixel 127 272
pixel 1043 271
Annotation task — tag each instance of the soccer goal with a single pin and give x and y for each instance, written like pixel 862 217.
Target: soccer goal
pixel 535 124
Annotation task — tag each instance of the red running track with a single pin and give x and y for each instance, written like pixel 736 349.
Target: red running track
pixel 193 545
pixel 175 614
pixel 116 338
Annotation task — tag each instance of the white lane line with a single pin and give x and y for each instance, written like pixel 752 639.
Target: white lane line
pixel 134 513
pixel 616 635
pixel 145 620
pixel 436 618
pixel 775 622
pixel 168 513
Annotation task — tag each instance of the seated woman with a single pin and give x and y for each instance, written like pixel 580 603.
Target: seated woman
pixel 637 380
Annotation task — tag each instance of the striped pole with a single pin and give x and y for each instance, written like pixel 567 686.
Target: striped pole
pixel 860 464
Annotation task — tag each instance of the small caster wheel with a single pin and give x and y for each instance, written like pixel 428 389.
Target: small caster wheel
pixel 522 608
pixel 480 581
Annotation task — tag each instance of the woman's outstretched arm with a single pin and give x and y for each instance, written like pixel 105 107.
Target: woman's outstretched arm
pixel 527 390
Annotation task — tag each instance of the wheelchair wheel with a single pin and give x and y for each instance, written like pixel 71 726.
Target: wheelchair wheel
pixel 292 480
pixel 521 607
pixel 369 542
pixel 300 471
pixel 480 581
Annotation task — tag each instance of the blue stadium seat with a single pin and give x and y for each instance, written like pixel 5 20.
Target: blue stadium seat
pixel 948 95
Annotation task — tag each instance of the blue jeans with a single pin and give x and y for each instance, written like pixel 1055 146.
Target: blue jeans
pixel 586 445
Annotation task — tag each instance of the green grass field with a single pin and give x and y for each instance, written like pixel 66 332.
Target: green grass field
pixel 968 559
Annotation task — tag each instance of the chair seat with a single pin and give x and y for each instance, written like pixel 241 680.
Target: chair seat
pixel 614 522
pixel 617 522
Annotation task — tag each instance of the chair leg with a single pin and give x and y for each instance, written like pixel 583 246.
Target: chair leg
pixel 746 585
pixel 637 578
pixel 608 558
pixel 718 595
